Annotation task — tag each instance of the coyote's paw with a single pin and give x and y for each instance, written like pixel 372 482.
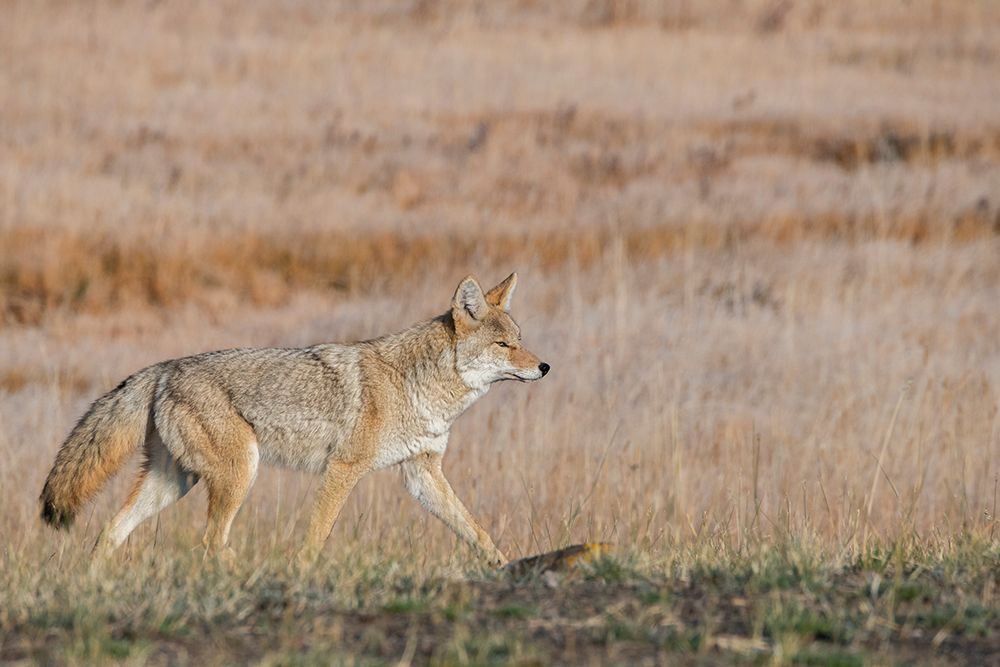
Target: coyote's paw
pixel 305 559
pixel 103 548
pixel 496 560
pixel 226 556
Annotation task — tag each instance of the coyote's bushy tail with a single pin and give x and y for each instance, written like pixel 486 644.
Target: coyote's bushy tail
pixel 98 446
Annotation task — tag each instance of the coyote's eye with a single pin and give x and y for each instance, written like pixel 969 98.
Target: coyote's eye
pixel 502 343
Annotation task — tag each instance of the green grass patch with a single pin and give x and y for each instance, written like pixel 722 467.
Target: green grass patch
pixel 815 608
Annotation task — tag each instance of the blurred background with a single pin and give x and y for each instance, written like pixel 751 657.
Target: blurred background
pixel 758 242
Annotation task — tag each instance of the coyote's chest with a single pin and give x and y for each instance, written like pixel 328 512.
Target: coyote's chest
pixel 426 430
pixel 434 418
pixel 397 450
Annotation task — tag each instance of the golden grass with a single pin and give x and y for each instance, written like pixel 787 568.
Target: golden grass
pixel 740 277
pixel 758 244
pixel 79 271
pixel 758 396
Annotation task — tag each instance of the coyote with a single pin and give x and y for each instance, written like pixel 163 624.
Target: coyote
pixel 341 410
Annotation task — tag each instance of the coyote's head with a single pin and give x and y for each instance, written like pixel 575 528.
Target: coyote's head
pixel 488 341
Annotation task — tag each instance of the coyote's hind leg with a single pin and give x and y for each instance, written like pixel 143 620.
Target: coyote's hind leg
pixel 161 481
pixel 211 438
pixel 226 494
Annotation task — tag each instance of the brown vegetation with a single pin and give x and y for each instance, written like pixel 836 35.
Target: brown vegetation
pixel 100 272
pixel 758 242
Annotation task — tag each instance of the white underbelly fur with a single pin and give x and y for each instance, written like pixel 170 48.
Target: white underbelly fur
pixel 398 451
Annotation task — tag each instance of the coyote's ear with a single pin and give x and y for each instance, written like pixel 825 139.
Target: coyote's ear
pixel 500 295
pixel 469 304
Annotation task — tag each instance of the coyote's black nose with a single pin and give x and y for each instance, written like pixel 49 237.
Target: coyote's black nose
pixel 544 368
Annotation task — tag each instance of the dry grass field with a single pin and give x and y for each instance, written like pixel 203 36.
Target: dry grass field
pixel 758 242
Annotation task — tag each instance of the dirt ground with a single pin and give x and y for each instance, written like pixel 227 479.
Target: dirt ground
pixel 764 611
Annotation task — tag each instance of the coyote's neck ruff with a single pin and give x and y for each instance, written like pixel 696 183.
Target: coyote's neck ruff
pixel 338 409
pixel 423 362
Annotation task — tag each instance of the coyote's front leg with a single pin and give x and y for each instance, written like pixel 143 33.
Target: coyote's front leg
pixel 425 481
pixel 338 481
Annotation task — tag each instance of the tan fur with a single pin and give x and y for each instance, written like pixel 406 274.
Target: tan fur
pixel 97 447
pixel 341 410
